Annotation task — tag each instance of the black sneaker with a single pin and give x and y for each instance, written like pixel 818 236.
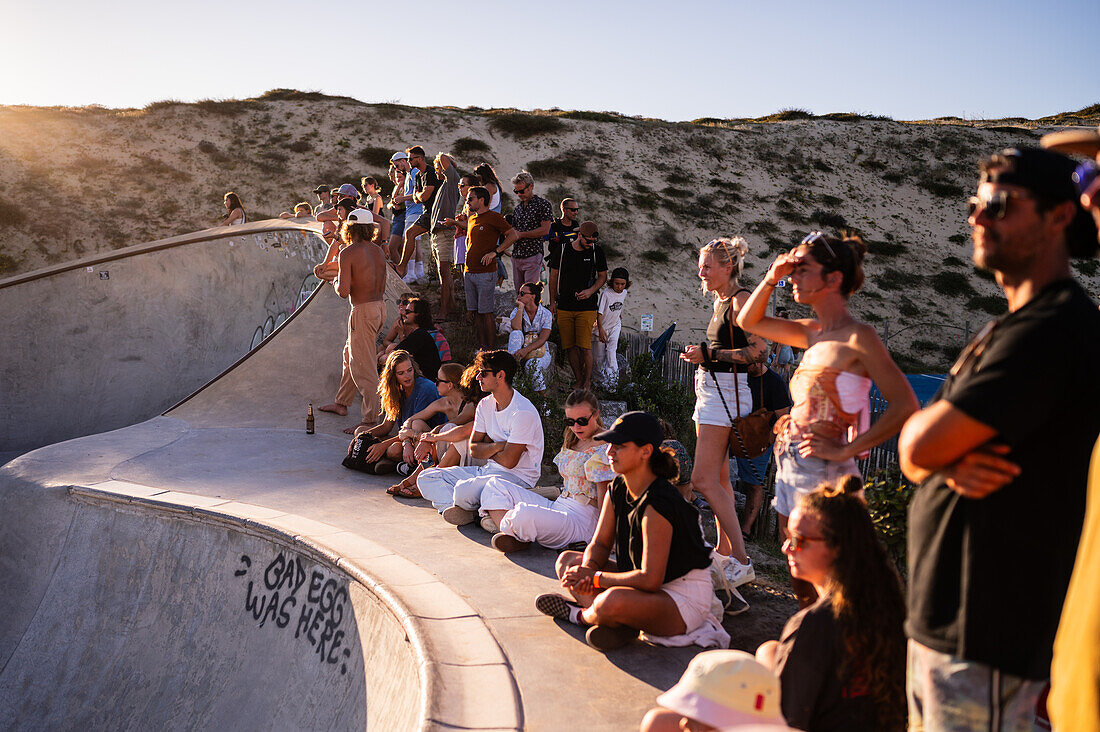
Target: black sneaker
pixel 554 605
pixel 604 638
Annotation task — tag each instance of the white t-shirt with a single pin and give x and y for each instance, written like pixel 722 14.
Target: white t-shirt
pixel 518 423
pixel 611 305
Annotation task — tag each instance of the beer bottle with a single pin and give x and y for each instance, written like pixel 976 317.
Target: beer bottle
pixel 309 420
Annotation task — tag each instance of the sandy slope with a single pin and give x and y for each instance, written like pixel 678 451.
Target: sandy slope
pixel 80 181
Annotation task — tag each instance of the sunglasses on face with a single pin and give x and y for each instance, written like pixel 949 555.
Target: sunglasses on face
pixel 573 210
pixel 995 205
pixel 482 373
pixel 520 190
pixel 1084 176
pixel 594 238
pixel 817 236
pixel 579 421
pixel 441 381
pixel 797 543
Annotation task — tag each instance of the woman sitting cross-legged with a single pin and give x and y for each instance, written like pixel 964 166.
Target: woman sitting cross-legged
pixel 585 469
pixel 455 407
pixel 660 583
pixel 404 392
pixel 841 661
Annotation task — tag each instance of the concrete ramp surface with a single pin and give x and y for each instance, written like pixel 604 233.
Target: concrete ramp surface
pixel 112 340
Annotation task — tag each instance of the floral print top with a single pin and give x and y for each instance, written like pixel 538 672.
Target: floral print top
pixel 581 470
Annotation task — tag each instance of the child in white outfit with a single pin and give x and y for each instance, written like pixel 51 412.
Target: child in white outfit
pixel 605 342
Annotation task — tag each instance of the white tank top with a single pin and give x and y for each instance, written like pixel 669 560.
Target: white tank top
pixel 494 202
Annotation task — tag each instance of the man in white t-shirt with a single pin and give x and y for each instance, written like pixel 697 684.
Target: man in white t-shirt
pixel 507 435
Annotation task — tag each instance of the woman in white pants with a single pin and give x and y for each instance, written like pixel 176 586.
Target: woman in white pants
pixel 531 324
pixel 609 321
pixel 524 517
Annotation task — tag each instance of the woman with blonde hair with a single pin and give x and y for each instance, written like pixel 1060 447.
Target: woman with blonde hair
pixel 721 386
pixel 404 392
pixel 841 661
pixel 829 425
pixel 586 471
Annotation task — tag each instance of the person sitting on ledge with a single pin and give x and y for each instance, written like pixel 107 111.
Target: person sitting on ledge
pixel 454 408
pixel 404 392
pixel 235 208
pixel 531 324
pixel 585 470
pixel 507 435
pixel 841 661
pixel 659 583
pixel 722 689
pixel 401 327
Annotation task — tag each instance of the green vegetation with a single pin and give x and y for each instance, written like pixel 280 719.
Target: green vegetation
pixel 224 107
pixel 11 214
pixel 828 218
pixel 885 248
pixel 655 255
pixel 992 304
pixel 470 145
pixel 1087 267
pixel 569 164
pixel 592 116
pixel 522 126
pixel 895 279
pixel 953 284
pixel 888 495
pixel 957 238
pixel 645 388
pixel 378 157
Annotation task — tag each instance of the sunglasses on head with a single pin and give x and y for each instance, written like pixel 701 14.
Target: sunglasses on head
pixel 995 205
pixel 1084 176
pixel 579 421
pixel 797 543
pixel 817 236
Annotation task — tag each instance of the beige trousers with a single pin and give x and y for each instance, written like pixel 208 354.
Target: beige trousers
pixel 361 359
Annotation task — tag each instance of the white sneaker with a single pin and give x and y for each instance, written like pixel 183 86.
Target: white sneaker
pixel 489 525
pixel 737 573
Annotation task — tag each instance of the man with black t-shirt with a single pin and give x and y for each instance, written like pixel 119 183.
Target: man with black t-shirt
pixel 576 274
pixel 564 230
pixel 1002 457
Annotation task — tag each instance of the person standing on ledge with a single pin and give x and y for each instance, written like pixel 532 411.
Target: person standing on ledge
pixel 577 273
pixel 362 279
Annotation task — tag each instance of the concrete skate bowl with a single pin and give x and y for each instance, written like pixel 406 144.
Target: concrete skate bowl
pixel 112 340
pixel 124 614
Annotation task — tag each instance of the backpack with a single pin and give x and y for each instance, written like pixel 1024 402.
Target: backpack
pixel 441 345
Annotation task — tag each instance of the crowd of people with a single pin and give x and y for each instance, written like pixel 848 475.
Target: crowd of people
pixel 1000 456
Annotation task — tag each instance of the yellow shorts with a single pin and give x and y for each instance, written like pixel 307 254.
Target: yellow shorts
pixel 575 327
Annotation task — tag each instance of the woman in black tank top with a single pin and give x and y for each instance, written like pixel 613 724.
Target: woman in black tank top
pixel 722 374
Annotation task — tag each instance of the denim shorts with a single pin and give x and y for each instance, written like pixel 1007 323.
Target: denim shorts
pixel 480 291
pixel 397 226
pixel 760 463
pixel 796 475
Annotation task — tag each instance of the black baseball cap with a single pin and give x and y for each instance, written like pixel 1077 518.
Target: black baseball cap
pixel 641 428
pixel 322 189
pixel 1045 173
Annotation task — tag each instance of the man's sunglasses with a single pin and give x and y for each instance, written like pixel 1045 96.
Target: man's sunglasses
pixel 1084 176
pixel 520 190
pixel 573 210
pixel 796 543
pixel 482 373
pixel 579 421
pixel 995 205
pixel 595 238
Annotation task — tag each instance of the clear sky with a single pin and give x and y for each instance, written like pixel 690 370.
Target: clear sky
pixel 673 60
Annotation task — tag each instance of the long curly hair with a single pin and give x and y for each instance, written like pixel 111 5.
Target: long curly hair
pixel 866 596
pixel 389 389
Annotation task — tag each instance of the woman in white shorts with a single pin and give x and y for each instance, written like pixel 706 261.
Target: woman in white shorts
pixel 586 471
pixel 721 382
pixel 659 583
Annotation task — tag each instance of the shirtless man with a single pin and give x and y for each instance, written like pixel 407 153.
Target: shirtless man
pixel 362 279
